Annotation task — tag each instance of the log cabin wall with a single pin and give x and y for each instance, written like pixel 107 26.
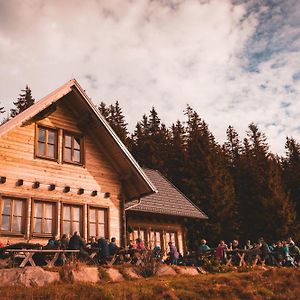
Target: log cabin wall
pixel 156 224
pixel 21 168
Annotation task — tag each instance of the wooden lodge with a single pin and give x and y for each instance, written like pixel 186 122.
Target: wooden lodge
pixel 63 169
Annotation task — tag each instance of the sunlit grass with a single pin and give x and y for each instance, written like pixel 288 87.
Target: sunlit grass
pixel 259 284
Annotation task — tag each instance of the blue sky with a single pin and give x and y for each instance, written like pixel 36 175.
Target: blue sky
pixel 235 62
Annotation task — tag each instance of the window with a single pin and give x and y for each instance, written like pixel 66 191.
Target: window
pixel 72 219
pixel 12 215
pixel 46 145
pixel 171 237
pixel 97 222
pixel 155 239
pixel 43 217
pixel 73 149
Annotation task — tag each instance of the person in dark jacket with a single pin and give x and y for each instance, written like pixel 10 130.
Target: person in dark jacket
pixel 103 249
pixel 112 247
pixel 78 243
pixel 64 242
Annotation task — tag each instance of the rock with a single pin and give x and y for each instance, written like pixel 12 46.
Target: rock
pixel 85 274
pixel 4 263
pixel 129 272
pixel 36 276
pixel 114 275
pixel 165 270
pixel 201 270
pixel 9 276
pixel 187 271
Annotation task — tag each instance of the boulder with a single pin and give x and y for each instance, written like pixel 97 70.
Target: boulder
pixel 165 270
pixel 36 276
pixel 9 276
pixel 114 275
pixel 187 271
pixel 129 273
pixel 85 274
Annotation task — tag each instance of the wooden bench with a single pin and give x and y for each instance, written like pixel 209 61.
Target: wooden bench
pixel 27 255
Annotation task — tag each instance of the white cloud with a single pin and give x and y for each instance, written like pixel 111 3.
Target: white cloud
pixel 151 53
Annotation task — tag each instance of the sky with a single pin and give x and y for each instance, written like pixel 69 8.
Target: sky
pixel 233 61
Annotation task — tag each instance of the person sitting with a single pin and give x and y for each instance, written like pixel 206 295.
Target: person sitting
pixel 53 242
pixel 248 245
pixel 265 251
pixel 173 254
pixel 288 260
pixel 103 250
pixel 92 243
pixel 78 243
pixel 203 247
pixel 140 244
pixel 221 252
pixel 64 242
pixel 236 257
pixel 156 252
pixel 112 247
pixel 294 252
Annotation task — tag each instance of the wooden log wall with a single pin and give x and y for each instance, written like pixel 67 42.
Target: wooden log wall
pixel 18 162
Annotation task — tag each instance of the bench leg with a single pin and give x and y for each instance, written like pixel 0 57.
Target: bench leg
pixel 27 259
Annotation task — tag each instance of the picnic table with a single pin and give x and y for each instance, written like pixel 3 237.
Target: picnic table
pixel 27 255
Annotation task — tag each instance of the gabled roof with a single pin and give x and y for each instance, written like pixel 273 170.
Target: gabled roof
pixel 135 183
pixel 167 201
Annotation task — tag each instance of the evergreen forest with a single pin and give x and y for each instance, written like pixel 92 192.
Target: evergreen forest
pixel 246 191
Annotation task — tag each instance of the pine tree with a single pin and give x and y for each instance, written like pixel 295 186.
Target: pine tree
pixel 24 101
pixel 264 206
pixel 291 178
pixel 103 110
pixel 209 183
pixel 149 142
pixel 177 157
pixel 115 118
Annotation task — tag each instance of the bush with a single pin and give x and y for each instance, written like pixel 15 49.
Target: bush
pixel 147 265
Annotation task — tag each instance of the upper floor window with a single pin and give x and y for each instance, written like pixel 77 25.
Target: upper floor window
pixel 12 215
pixel 46 145
pixel 73 148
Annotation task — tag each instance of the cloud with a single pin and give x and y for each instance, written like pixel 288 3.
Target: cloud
pixel 234 62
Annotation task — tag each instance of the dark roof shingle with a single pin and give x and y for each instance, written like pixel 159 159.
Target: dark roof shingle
pixel 168 200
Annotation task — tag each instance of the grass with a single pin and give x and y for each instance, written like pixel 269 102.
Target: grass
pixel 272 284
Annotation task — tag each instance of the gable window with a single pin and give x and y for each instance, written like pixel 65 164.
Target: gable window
pixel 13 215
pixel 73 148
pixel 97 222
pixel 72 219
pixel 46 144
pixel 43 217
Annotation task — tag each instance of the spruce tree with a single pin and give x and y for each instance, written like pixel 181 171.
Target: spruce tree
pixel 103 110
pixel 291 178
pixel 149 142
pixel 24 101
pixel 209 183
pixel 264 206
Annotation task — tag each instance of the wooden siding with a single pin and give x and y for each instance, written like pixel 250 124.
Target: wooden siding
pixel 18 162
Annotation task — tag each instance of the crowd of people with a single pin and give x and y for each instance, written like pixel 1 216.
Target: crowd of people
pixel 280 253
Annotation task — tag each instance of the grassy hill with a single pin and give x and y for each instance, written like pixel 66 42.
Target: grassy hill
pixel 275 283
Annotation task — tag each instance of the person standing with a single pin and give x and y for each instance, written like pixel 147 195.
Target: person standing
pixel 174 255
